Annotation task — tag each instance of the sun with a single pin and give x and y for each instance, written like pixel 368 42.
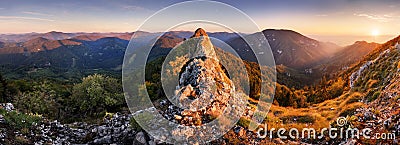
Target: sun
pixel 375 32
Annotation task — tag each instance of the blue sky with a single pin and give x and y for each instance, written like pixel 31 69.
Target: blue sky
pixel 313 17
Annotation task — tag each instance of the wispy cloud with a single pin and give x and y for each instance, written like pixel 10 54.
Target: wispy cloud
pixel 26 18
pixel 135 8
pixel 36 13
pixel 2 8
pixel 379 18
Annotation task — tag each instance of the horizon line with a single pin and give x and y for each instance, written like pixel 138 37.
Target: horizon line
pixel 102 32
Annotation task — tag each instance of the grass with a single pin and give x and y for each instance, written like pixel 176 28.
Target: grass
pixel 298 119
pixel 317 116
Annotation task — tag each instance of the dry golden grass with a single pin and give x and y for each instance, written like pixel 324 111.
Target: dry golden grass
pixel 371 83
pixel 323 113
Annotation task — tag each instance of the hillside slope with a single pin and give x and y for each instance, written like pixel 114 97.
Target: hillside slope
pixel 290 48
pixel 377 78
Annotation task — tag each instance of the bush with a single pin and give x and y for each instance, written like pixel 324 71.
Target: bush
pixel 19 120
pixel 41 100
pixel 5 92
pixel 96 94
pixel 298 119
pixel 336 89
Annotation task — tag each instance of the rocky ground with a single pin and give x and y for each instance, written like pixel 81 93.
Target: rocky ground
pixel 113 130
pixel 383 114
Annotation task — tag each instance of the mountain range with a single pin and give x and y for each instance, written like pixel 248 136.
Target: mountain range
pixel 317 82
pixel 301 58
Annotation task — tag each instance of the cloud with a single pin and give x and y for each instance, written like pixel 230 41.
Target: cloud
pixel 135 8
pixel 26 18
pixel 379 18
pixel 36 13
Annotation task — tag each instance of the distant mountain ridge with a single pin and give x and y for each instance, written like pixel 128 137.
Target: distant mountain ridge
pixel 352 53
pixel 53 35
pixel 346 57
pixel 300 57
pixel 290 48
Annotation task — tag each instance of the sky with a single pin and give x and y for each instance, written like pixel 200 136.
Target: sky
pixel 310 17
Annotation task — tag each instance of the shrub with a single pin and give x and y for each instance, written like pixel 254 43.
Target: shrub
pixel 40 100
pixel 298 119
pixel 96 94
pixel 19 120
pixel 6 91
pixel 336 89
pixel 306 119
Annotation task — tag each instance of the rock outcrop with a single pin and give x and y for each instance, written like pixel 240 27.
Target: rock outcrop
pixel 205 103
pixel 204 89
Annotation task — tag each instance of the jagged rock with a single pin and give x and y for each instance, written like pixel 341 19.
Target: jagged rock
pixel 204 89
pixel 2 119
pixel 103 140
pixel 199 32
pixel 152 143
pixel 94 130
pixel 177 117
pixel 140 138
pixel 202 94
pixel 7 106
